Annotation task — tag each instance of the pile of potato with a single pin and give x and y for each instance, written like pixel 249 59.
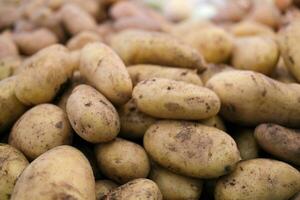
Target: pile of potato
pixel 113 100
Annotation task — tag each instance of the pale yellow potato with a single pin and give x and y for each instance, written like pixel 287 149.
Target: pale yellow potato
pixel 186 26
pixel 60 173
pixel 251 28
pixel 191 149
pixel 165 98
pixel 103 68
pixel 215 121
pixel 79 40
pixel 7 45
pixel 9 66
pixel 262 179
pixel 91 115
pixel 122 161
pixel 103 187
pixel 282 74
pixel 213 69
pixel 12 164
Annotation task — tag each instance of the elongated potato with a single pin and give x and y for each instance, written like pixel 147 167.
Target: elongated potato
pixel 165 98
pixel 262 179
pixel 42 180
pixel 191 149
pixel 281 142
pixel 142 47
pixel 103 187
pixel 214 121
pixel 12 164
pixel 101 66
pixel 91 115
pixel 250 98
pixel 83 38
pixel 142 72
pixel 251 28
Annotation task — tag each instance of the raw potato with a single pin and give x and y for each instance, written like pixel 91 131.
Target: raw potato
pixel 103 187
pixel 145 47
pixel 182 28
pixel 122 160
pixel 138 189
pixel 101 66
pixel 174 186
pixel 12 165
pixel 9 66
pixel 250 98
pixel 281 142
pixel 60 173
pixel 214 121
pixel 165 98
pixel 41 128
pixel 7 45
pixel 255 53
pixel 81 39
pixel 142 72
pixel 282 74
pixel 213 69
pixel 251 28
pixel 261 179
pixel 191 149
pixel 91 115
pixel 43 74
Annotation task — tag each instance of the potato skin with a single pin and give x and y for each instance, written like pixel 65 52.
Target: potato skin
pixel 250 98
pixel 103 187
pixel 138 189
pixel 102 67
pixel 41 180
pixel 215 121
pixel 78 41
pixel 41 128
pixel 281 142
pixel 262 179
pixel 251 28
pixel 165 98
pixel 122 160
pixel 175 145
pixel 91 115
pixel 12 164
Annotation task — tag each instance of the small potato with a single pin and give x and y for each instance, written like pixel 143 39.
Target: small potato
pixel 261 179
pixel 91 115
pixel 214 121
pixel 213 69
pixel 145 47
pixel 281 142
pixel 79 40
pixel 103 187
pixel 251 28
pixel 12 165
pixel 122 160
pixel 255 53
pixel 7 45
pixel 165 98
pixel 174 186
pixel 191 149
pixel 103 68
pixel 138 189
pixel 41 128
pixel 142 72
pixel 60 173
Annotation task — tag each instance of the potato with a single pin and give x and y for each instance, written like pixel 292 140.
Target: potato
pixel 213 69
pixel 182 28
pixel 6 69
pixel 214 121
pixel 81 39
pixel 174 186
pixel 250 98
pixel 296 197
pixel 262 179
pixel 282 74
pixel 41 128
pixel 91 115
pixel 7 45
pixel 103 187
pixel 279 141
pixel 142 72
pixel 255 53
pixel 251 28
pixel 138 189
pixel 8 13
pixel 60 173
pixel 134 123
pixel 191 149
pixel 11 108
pixel 12 165
pixel 122 160
pixel 142 47
pixel 101 66
pixel 165 98
pixel 43 74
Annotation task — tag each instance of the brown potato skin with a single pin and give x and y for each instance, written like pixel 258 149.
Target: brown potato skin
pixel 103 187
pixel 281 142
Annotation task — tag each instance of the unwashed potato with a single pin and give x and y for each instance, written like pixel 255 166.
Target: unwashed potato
pixel 7 45
pixel 60 173
pixel 251 28
pixel 250 98
pixel 138 189
pixel 41 128
pixel 145 47
pixel 103 187
pixel 214 121
pixel 91 115
pixel 174 186
pixel 261 179
pixel 213 69
pixel 191 149
pixel 182 28
pixel 142 72
pixel 165 98
pixel 122 160
pixel 79 40
pixel 103 68
pixel 281 142
pixel 12 164
pixel 9 66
